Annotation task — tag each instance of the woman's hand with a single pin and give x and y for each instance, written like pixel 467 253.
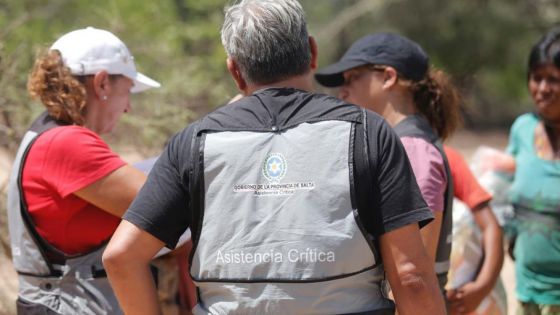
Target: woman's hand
pixel 465 299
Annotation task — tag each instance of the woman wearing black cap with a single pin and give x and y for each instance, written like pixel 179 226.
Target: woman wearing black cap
pixel 390 74
pixel 535 193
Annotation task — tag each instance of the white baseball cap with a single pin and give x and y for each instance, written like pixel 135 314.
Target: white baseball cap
pixel 90 50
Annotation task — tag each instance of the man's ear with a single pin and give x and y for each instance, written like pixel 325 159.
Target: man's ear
pixel 314 52
pixel 233 69
pixel 101 85
pixel 390 78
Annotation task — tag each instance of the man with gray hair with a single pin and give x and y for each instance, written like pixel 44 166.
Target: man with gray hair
pixel 298 203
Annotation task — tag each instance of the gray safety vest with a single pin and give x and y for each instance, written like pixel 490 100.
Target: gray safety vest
pixel 417 126
pixel 47 277
pixel 277 217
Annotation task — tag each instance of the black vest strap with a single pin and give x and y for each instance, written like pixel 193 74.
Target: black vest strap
pixel 196 187
pixel 363 183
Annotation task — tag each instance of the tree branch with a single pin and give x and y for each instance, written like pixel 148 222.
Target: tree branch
pixel 348 15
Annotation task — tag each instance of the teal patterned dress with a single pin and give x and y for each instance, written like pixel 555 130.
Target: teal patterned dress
pixel 535 195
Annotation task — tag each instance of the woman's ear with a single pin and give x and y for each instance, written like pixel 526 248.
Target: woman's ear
pixel 101 85
pixel 390 78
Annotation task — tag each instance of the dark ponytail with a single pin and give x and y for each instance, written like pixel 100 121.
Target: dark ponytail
pixel 439 101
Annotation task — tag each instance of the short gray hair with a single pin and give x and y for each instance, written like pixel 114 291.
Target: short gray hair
pixel 268 39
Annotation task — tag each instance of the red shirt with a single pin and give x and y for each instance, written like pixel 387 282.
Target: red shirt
pixel 60 162
pixel 465 186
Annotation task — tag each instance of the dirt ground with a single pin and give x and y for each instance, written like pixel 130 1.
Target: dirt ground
pixel 465 141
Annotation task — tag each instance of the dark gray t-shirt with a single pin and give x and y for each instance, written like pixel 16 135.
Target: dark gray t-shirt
pixel 162 207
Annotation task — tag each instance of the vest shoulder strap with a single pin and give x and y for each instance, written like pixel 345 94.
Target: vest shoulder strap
pixel 51 254
pixel 196 184
pixel 363 187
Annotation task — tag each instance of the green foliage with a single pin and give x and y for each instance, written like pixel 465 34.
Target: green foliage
pixel 482 44
pixel 175 42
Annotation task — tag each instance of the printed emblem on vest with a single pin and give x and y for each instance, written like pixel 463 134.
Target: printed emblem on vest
pixel 274 167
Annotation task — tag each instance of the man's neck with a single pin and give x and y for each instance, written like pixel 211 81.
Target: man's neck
pixel 302 82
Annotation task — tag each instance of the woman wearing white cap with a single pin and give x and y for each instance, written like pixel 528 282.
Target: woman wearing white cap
pixel 68 190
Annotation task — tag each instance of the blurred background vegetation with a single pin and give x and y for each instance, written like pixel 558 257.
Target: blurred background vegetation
pixel 483 44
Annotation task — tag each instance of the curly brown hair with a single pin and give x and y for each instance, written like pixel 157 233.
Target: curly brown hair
pixel 63 94
pixel 439 101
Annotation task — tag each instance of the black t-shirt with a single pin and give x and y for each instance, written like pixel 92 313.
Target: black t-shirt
pixel 162 206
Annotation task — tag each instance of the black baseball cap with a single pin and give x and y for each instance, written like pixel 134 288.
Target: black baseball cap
pixel 388 49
